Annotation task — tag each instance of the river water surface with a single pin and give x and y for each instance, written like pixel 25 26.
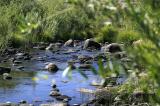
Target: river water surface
pixel 33 83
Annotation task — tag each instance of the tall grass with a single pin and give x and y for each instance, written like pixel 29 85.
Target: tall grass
pixel 24 22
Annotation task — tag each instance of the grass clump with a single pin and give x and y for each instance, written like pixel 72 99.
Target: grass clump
pixel 107 34
pixel 128 36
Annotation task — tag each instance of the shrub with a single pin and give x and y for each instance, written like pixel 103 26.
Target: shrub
pixel 128 36
pixel 107 34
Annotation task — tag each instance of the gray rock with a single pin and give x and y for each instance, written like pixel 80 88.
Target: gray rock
pixel 11 51
pixel 7 76
pixel 17 62
pixel 91 44
pixel 112 48
pixel 21 54
pixel 50 47
pixel 52 67
pixel 69 43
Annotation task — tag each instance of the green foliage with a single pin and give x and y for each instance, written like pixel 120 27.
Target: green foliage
pixel 128 36
pixel 107 34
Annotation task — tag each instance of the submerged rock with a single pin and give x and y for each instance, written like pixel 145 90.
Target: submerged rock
pixel 85 66
pixel 84 58
pixel 91 44
pixel 52 67
pixel 4 70
pixel 62 97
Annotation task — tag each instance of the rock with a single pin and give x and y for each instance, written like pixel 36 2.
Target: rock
pixel 7 104
pixel 52 67
pixel 23 102
pixel 112 48
pixel 69 51
pixel 85 66
pixel 7 76
pixel 120 55
pixel 84 58
pixel 58 44
pixel 54 93
pixel 62 97
pixel 77 43
pixel 55 89
pixel 24 56
pixel 17 62
pixel 27 58
pixel 11 51
pixel 69 43
pixel 4 70
pixel 40 47
pixel 50 47
pixel 25 105
pixel 21 54
pixel 19 57
pixel 66 100
pixel 117 98
pixel 89 43
pixel 54 86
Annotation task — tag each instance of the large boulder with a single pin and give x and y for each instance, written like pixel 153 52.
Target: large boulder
pixel 91 44
pixel 4 70
pixel 112 48
pixel 52 67
pixel 69 43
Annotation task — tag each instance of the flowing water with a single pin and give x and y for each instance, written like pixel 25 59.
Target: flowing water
pixel 33 83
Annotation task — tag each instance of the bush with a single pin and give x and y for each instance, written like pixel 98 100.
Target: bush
pixel 107 34
pixel 128 37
